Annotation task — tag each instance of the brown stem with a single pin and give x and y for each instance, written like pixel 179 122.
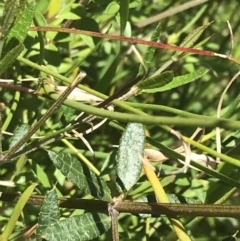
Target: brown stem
pixel 156 209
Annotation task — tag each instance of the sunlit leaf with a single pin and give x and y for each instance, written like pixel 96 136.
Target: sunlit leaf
pixel 131 148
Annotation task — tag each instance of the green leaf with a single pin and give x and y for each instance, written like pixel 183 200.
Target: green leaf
pixel 20 29
pixel 49 213
pixel 9 14
pixel 78 228
pixel 17 212
pixel 148 55
pixel 18 135
pixel 173 198
pixel 88 24
pixel 42 5
pixel 124 11
pixel 192 38
pixel 80 175
pixel 131 148
pixel 110 70
pixel 10 57
pixel 178 81
pixel 112 8
pixel 149 85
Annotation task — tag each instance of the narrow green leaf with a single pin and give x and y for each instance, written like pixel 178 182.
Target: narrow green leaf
pixel 49 213
pixel 10 57
pixel 152 83
pixel 124 11
pixel 192 38
pixel 178 81
pixel 9 14
pixel 18 134
pixel 131 148
pixel 148 55
pixel 78 228
pixel 80 175
pixel 20 29
pixel 7 20
pixel 16 212
pixel 110 70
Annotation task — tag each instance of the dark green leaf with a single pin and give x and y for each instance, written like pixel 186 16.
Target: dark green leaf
pixel 78 228
pixel 80 175
pixel 178 81
pixel 10 57
pixel 131 148
pixel 49 213
pixel 124 10
pixel 150 85
pixel 110 70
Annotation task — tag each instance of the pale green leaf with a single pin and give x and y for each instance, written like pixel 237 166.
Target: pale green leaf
pixel 112 8
pixel 80 175
pixel 131 149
